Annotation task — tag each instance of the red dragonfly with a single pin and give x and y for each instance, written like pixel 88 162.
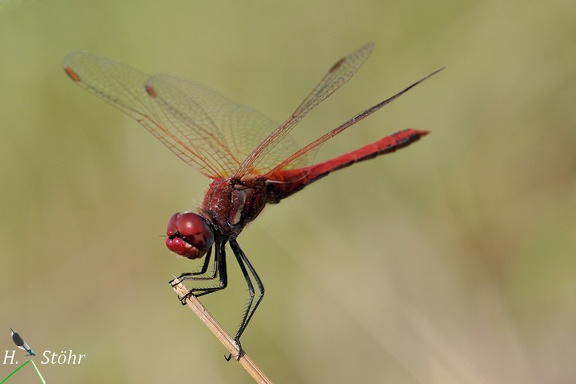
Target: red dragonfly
pixel 250 158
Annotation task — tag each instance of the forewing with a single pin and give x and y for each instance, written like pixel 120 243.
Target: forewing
pixel 172 116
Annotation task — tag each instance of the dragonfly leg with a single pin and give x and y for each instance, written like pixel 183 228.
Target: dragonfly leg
pixel 247 270
pixel 197 275
pixel 219 271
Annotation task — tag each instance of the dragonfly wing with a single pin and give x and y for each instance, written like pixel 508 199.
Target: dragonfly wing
pixel 337 76
pixel 288 163
pixel 189 133
pixel 241 127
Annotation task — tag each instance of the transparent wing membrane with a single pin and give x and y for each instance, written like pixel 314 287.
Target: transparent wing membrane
pixel 216 136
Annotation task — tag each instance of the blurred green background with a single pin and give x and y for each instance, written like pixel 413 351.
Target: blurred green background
pixel 452 261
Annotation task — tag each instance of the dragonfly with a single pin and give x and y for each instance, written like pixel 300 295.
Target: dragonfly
pixel 251 159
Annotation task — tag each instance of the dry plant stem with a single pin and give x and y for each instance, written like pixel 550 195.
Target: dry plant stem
pixel 221 335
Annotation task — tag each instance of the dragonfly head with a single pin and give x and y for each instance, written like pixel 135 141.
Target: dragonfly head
pixel 189 235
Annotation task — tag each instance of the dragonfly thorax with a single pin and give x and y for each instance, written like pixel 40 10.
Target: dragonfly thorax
pixel 230 204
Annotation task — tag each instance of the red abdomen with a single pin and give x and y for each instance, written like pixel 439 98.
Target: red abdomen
pixel 289 182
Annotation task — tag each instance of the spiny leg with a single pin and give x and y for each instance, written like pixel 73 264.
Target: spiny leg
pixel 220 271
pixel 198 274
pixel 251 308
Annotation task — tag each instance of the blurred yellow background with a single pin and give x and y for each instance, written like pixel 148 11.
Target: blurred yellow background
pixel 451 261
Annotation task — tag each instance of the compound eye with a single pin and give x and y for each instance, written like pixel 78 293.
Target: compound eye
pixel 189 235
